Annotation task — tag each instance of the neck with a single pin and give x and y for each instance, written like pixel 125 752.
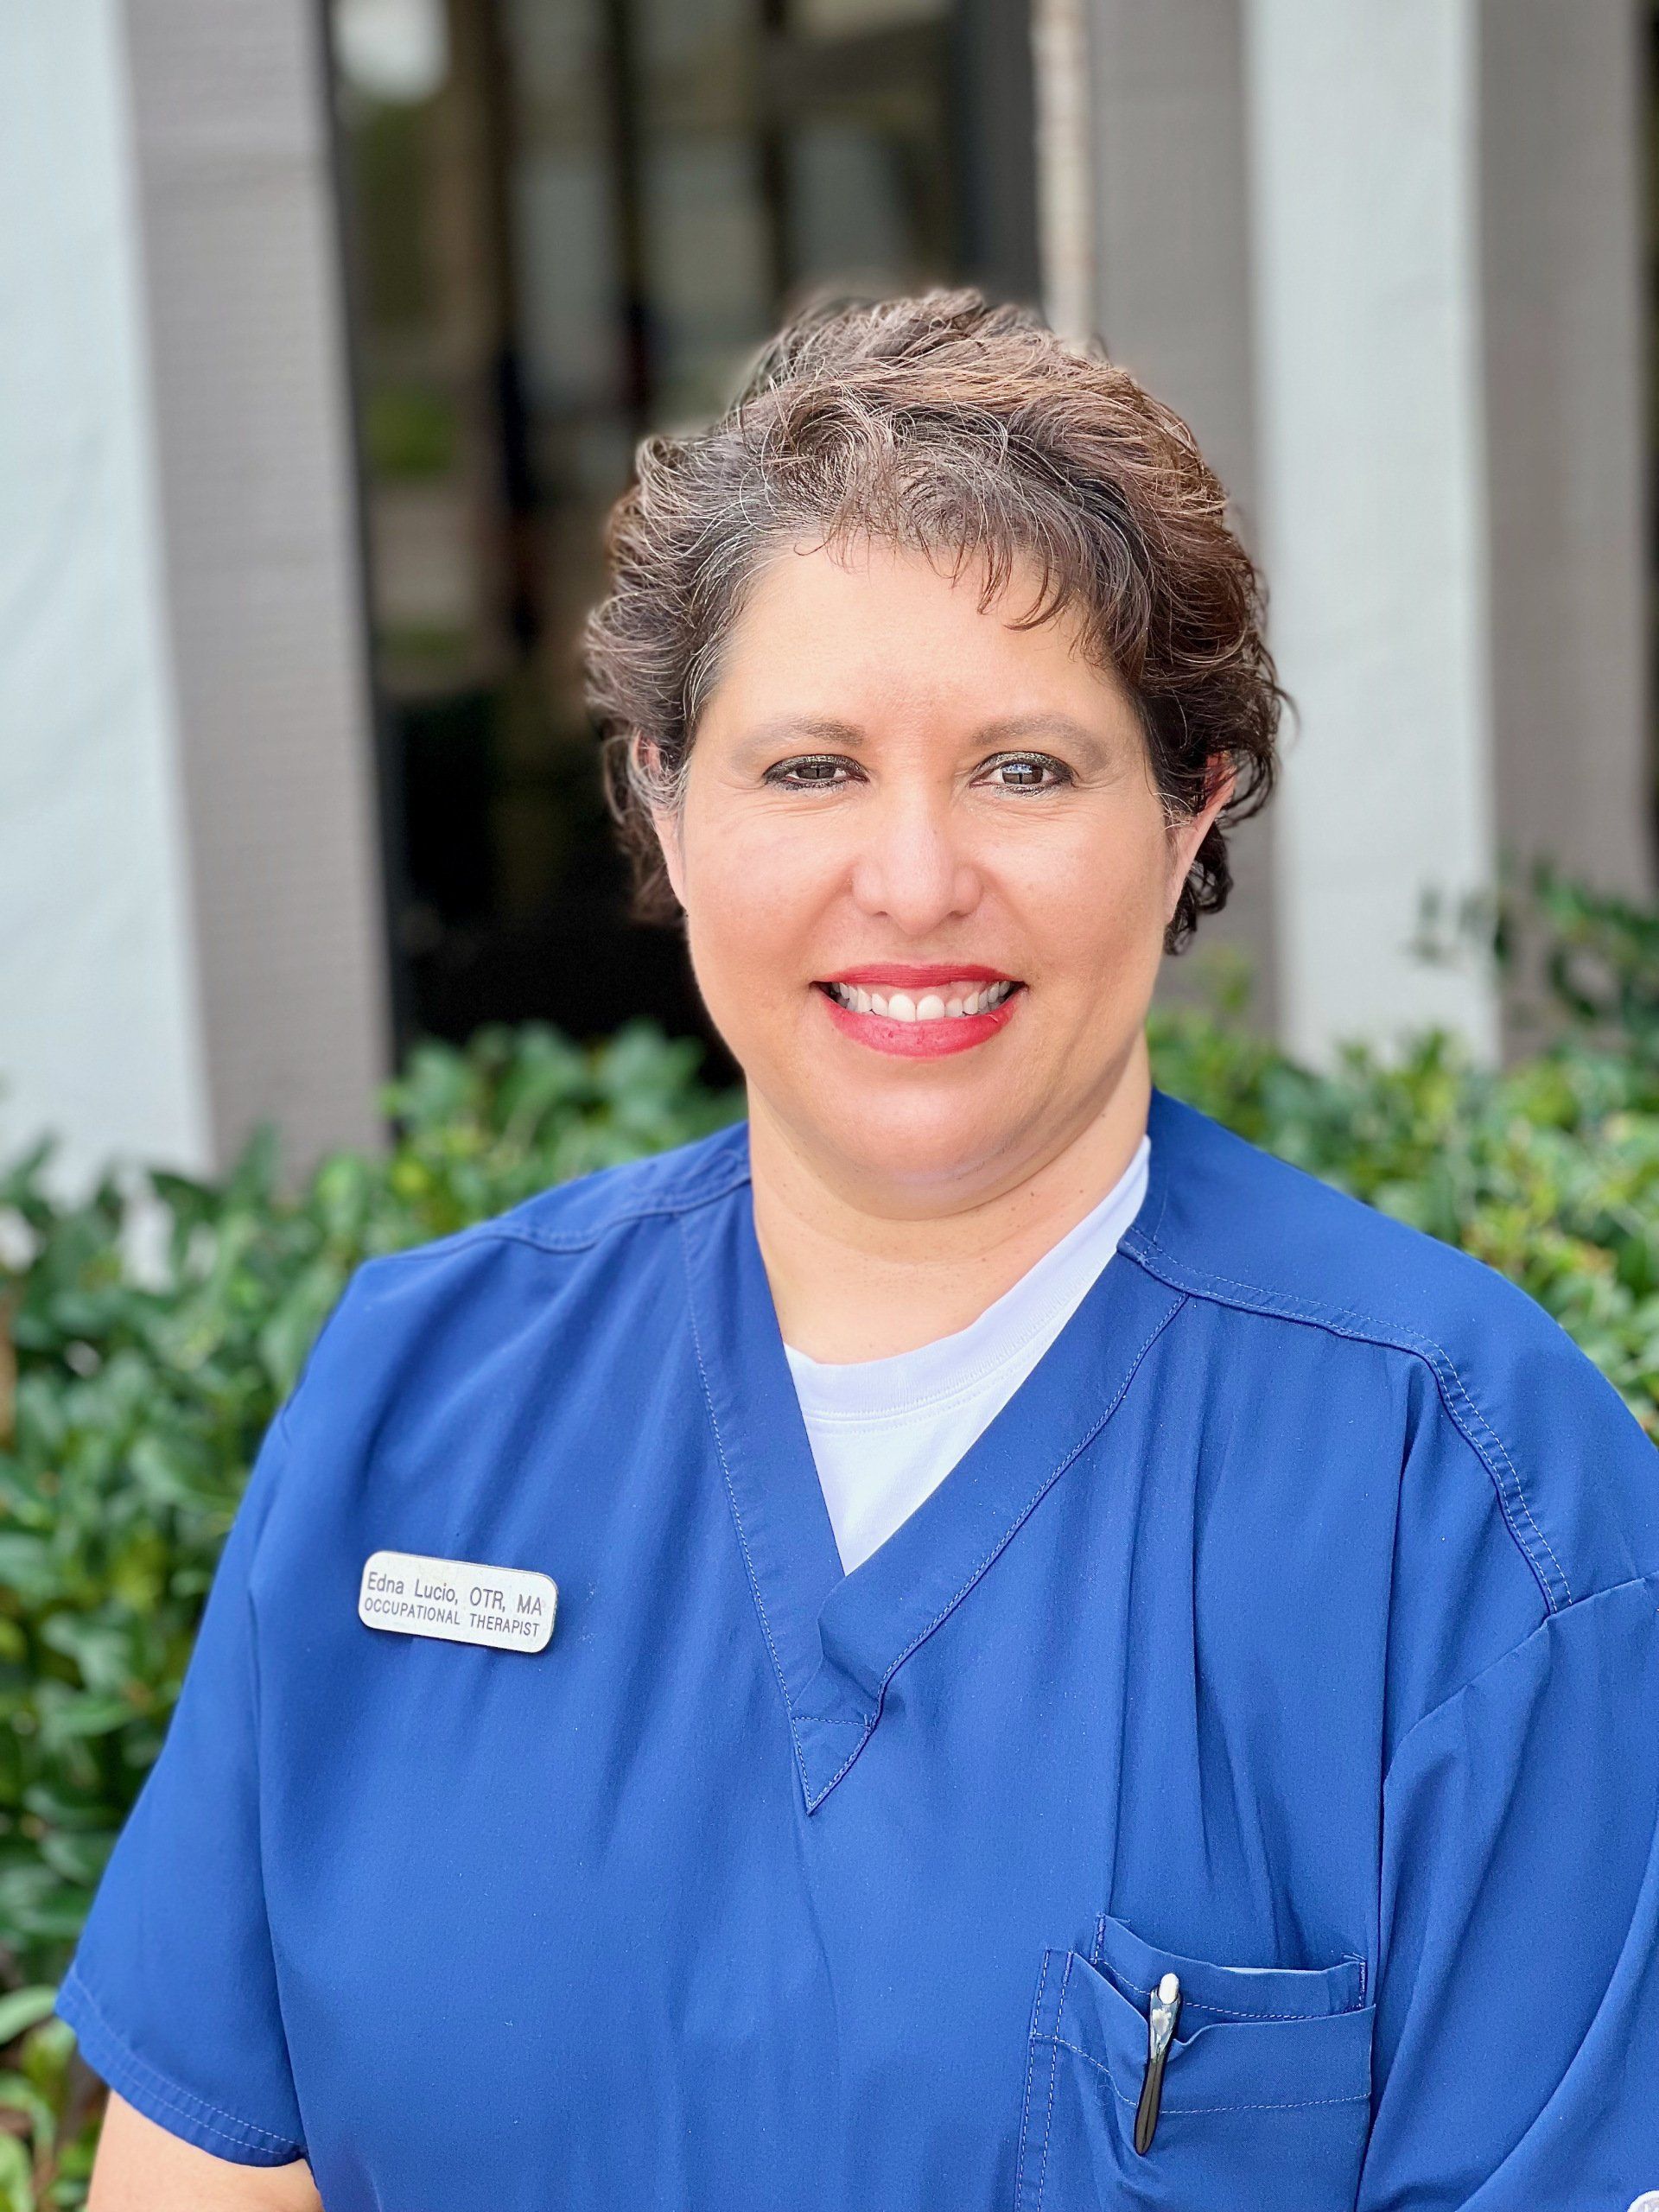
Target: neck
pixel 857 1273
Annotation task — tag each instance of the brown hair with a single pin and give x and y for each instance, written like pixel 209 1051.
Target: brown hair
pixel 949 426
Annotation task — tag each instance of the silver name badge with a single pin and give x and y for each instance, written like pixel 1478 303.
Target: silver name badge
pixel 509 1608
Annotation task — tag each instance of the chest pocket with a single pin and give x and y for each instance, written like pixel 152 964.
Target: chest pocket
pixel 1265 2089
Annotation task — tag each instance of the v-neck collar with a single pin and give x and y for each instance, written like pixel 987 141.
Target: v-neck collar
pixel 836 1640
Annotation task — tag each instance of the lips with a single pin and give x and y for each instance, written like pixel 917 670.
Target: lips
pixel 917 976
pixel 919 1011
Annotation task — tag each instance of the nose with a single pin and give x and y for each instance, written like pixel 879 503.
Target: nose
pixel 910 868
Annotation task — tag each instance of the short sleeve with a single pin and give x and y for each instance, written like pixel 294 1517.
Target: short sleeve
pixel 172 1991
pixel 1515 2064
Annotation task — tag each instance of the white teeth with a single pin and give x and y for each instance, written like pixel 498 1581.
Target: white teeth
pixel 933 1006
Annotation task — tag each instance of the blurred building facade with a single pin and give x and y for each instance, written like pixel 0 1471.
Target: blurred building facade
pixel 330 331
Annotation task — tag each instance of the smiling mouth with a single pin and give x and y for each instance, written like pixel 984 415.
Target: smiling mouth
pixel 957 1000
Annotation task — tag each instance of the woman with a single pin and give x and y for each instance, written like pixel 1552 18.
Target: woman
pixel 1089 1669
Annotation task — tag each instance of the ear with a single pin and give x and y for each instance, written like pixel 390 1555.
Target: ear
pixel 664 821
pixel 1189 833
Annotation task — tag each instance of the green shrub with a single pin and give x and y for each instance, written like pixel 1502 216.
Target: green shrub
pixel 148 1336
pixel 1548 1172
pixel 152 1332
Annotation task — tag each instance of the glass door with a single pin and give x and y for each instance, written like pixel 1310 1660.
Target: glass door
pixel 571 222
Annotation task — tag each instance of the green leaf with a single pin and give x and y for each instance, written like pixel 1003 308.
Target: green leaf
pixel 141 1395
pixel 17 2176
pixel 19 2095
pixel 23 2009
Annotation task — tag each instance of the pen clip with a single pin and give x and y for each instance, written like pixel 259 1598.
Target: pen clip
pixel 1165 2011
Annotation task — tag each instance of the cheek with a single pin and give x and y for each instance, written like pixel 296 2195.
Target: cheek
pixel 1094 893
pixel 753 887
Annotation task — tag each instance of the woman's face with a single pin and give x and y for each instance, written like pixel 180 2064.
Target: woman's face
pixel 926 875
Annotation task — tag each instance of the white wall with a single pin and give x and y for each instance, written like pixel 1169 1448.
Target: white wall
pixel 1372 496
pixel 191 933
pixel 99 1015
pixel 267 627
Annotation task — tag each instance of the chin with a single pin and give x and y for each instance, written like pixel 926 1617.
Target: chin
pixel 920 1151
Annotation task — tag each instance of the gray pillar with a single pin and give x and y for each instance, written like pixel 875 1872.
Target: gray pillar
pixel 1562 123
pixel 263 586
pixel 1387 257
pixel 1172 247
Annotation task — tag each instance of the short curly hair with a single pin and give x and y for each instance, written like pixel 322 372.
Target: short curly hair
pixel 969 432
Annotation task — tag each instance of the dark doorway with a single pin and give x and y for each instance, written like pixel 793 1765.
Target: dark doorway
pixel 570 222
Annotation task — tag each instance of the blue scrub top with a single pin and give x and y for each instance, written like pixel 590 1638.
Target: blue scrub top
pixel 1294 1628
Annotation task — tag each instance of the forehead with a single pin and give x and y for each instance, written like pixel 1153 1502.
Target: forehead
pixel 876 628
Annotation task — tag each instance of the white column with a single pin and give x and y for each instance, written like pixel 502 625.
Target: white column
pixel 259 506
pixel 99 1028
pixel 1371 494
pixel 1066 179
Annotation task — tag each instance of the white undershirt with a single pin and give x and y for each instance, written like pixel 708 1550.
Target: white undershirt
pixel 886 1432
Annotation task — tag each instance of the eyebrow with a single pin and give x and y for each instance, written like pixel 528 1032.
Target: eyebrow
pixel 1006 729
pixel 793 729
pixel 1025 729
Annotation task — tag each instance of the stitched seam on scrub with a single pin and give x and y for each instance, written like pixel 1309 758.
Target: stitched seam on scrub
pixel 748 1563
pixel 1289 2104
pixel 1368 1329
pixel 1097 1958
pixel 1032 2039
pixel 1648 1583
pixel 1008 1534
pixel 1235 2011
pixel 1053 2072
pixel 814 1802
pixel 182 2101
pixel 671 1206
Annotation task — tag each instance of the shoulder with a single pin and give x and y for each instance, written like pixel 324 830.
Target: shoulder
pixel 1247 1229
pixel 577 1243
pixel 1570 1470
pixel 574 1216
pixel 581 1215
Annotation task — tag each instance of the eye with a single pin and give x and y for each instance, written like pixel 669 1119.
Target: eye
pixel 812 771
pixel 1026 772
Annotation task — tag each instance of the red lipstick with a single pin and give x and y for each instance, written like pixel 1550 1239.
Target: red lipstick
pixel 909 975
pixel 912 1040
